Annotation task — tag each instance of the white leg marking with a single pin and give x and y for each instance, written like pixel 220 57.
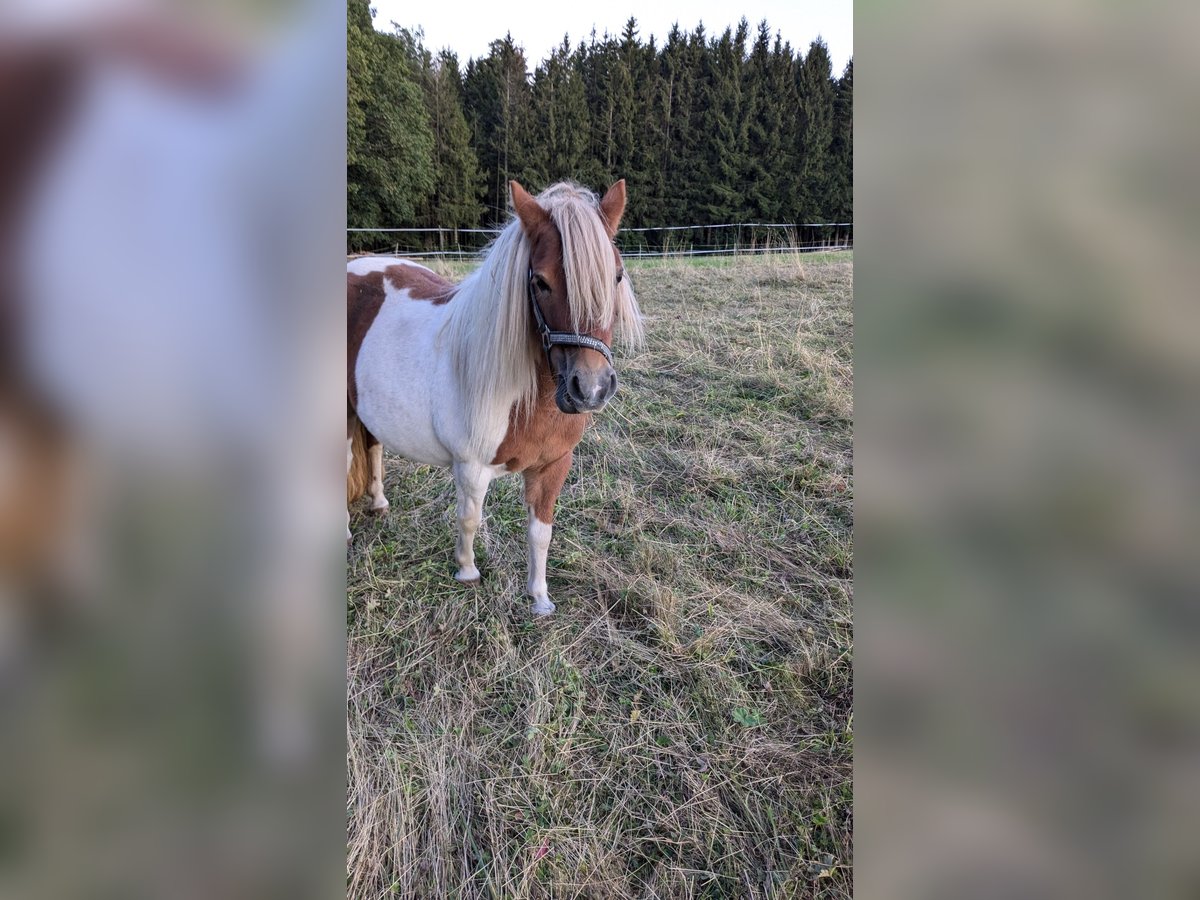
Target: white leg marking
pixel 471 484
pixel 379 502
pixel 539 546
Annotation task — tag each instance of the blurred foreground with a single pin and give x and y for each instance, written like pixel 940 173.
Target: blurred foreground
pixel 1027 674
pixel 171 214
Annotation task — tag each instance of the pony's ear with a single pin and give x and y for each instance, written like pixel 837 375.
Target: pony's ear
pixel 612 207
pixel 530 213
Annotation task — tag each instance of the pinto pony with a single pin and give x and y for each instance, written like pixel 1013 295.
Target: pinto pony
pixel 497 374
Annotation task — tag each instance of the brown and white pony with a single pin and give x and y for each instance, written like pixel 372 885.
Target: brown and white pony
pixel 497 374
pixel 45 72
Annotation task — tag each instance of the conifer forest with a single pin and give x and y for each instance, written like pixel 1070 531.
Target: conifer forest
pixel 706 128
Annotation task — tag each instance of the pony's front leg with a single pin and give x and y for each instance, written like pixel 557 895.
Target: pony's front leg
pixel 542 487
pixel 471 484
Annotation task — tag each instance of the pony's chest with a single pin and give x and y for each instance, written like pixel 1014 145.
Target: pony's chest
pixel 543 437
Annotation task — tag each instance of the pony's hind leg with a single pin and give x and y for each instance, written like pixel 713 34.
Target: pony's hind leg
pixel 471 484
pixel 358 476
pixel 379 504
pixel 542 487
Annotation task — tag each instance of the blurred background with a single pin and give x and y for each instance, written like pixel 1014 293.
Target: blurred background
pixel 1026 450
pixel 171 627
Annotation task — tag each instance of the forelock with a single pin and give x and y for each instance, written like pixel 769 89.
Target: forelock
pixel 589 263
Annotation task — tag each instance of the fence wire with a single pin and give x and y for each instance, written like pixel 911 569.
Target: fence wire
pixel 668 240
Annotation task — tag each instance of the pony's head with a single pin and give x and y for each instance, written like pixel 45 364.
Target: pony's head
pixel 578 294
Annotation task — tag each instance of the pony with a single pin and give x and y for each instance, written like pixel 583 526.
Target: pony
pixel 497 374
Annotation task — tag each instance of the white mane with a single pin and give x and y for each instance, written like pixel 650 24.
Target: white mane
pixel 488 327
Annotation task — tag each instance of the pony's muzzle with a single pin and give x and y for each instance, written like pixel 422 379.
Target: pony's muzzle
pixel 586 389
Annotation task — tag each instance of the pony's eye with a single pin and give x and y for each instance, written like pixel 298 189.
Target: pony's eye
pixel 620 275
pixel 540 283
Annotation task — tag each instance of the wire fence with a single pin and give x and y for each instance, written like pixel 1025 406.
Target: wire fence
pixel 668 240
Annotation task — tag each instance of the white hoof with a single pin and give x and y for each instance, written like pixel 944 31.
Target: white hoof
pixel 542 605
pixel 467 575
pixel 379 506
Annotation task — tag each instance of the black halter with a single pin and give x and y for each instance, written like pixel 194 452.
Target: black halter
pixel 567 338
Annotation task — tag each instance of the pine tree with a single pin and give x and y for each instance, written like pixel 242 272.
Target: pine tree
pixel 624 64
pixel 389 164
pixel 771 110
pixel 720 167
pixel 646 186
pixel 815 87
pixel 597 60
pixel 457 179
pixel 762 130
pixel 842 149
pixel 358 86
pixel 498 97
pixel 681 68
pixel 638 162
pixel 785 112
pixel 561 115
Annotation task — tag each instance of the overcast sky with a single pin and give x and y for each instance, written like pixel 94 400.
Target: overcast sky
pixel 468 27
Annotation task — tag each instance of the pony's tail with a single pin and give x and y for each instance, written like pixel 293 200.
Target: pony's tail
pixel 358 473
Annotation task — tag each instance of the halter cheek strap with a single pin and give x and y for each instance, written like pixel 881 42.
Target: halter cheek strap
pixel 566 338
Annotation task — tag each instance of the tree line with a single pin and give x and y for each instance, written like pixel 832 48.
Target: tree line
pixel 736 127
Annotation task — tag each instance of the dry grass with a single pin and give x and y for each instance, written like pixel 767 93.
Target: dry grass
pixel 681 726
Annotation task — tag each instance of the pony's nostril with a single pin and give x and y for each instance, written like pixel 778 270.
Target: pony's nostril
pixel 612 383
pixel 576 390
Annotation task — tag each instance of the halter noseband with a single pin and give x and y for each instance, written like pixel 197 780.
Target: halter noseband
pixel 566 338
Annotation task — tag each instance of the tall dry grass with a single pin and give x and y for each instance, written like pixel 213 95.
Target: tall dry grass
pixel 681 726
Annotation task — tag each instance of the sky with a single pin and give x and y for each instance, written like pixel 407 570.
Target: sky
pixel 468 27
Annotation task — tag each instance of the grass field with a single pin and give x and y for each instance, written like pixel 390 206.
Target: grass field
pixel 681 726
